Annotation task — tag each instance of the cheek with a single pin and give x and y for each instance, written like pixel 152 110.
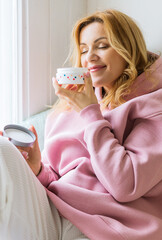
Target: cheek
pixel 122 64
pixel 119 64
pixel 83 62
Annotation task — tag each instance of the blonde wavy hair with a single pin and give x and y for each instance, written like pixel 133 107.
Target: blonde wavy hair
pixel 125 37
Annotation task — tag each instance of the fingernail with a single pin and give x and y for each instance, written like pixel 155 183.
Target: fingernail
pixel 87 74
pixel 25 154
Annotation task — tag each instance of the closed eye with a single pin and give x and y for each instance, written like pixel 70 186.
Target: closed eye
pixel 84 52
pixel 103 46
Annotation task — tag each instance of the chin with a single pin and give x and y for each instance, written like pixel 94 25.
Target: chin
pixel 97 84
pixel 98 81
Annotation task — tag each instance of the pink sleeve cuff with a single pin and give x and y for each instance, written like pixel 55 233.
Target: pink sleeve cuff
pixel 92 113
pixel 47 175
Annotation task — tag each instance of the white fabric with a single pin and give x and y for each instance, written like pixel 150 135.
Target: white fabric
pixel 25 211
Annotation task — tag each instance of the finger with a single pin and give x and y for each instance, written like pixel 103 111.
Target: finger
pixel 1 134
pixel 88 82
pixel 54 79
pixel 73 87
pixel 25 154
pixel 32 128
pixel 69 86
pixel 55 85
pixel 66 86
pixel 63 92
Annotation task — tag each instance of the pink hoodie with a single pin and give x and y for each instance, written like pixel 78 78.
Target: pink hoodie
pixel 103 171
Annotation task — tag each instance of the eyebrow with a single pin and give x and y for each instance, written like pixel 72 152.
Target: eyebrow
pixel 98 39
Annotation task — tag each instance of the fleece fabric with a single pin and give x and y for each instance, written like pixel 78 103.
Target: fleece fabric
pixel 103 170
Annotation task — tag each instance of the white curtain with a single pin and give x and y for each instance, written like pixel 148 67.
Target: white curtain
pixel 8 62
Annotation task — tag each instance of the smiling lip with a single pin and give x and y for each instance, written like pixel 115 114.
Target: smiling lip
pixel 96 68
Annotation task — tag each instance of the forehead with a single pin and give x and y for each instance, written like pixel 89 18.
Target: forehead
pixel 91 32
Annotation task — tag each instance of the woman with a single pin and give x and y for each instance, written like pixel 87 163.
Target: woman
pixel 102 161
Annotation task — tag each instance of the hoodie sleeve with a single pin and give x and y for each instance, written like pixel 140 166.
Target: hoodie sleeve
pixel 47 175
pixel 131 169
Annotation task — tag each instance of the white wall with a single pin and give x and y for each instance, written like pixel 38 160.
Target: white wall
pixel 146 13
pixel 64 14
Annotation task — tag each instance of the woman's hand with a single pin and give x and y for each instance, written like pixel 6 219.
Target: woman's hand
pixel 77 100
pixel 31 154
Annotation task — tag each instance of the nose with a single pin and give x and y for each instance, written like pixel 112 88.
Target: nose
pixel 91 56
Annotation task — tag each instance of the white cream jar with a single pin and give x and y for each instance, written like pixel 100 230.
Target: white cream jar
pixel 71 75
pixel 19 136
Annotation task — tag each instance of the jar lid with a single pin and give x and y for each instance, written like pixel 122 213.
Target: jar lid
pixel 72 70
pixel 19 136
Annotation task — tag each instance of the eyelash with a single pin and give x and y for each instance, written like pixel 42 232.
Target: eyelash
pixel 83 52
pixel 104 47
